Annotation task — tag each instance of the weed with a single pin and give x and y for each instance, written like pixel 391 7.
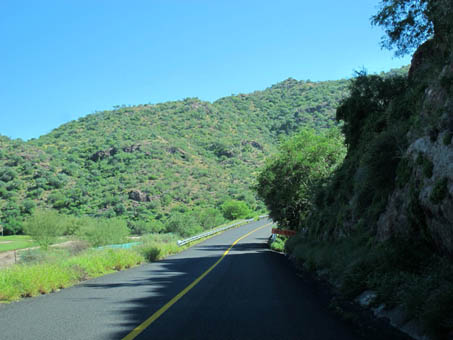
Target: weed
pixel 27 280
pixel 278 244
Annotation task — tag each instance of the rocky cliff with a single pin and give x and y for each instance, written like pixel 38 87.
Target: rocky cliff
pixel 422 204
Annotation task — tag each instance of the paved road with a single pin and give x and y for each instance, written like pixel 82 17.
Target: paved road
pixel 253 293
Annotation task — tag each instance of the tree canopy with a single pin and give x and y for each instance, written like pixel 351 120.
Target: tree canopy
pixel 289 179
pixel 408 23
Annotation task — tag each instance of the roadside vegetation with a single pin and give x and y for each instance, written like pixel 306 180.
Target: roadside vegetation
pixel 277 243
pixel 46 269
pixel 336 204
pixel 57 272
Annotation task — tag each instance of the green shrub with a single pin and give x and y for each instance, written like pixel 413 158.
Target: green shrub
pixel 289 180
pixel 150 252
pixel 381 160
pixel 208 217
pixel 101 231
pixel 140 227
pixel 44 226
pixel 157 246
pixel 233 210
pixel 183 224
pixel 143 227
pixel 278 244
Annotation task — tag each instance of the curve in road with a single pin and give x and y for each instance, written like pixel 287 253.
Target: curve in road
pixel 250 292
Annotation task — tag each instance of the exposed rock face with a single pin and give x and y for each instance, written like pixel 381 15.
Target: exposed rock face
pixel 254 144
pixel 102 154
pixel 421 58
pixel 132 148
pixel 99 155
pixel 138 196
pixel 423 206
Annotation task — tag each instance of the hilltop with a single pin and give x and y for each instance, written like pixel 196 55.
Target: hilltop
pixel 143 162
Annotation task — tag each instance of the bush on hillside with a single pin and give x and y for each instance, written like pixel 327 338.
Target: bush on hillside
pixel 209 217
pixel 233 210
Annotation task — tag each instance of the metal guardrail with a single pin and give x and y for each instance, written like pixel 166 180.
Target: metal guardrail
pixel 215 231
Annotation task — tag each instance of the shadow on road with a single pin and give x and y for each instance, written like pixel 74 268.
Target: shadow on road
pixel 252 294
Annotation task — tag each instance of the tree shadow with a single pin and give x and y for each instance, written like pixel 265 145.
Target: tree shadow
pixel 253 293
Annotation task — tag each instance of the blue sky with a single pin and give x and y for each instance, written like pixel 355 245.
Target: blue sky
pixel 63 59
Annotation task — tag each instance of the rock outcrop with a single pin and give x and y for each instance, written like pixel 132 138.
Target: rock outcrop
pixel 139 196
pixel 102 154
pixel 422 205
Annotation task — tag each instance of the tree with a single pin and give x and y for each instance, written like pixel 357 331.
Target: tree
pixel 233 209
pixel 289 179
pixel 183 224
pixel 44 226
pixel 409 23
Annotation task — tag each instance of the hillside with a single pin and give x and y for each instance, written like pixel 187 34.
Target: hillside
pixel 142 162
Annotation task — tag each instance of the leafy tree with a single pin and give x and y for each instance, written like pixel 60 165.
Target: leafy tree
pixel 44 226
pixel 103 231
pixel 289 179
pixel 183 224
pixel 11 218
pixel 369 98
pixel 208 217
pixel 408 23
pixel 234 209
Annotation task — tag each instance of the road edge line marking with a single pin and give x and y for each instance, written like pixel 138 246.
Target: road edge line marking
pixel 145 324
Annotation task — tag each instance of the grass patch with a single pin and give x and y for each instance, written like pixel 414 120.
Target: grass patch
pixel 26 280
pixel 157 246
pixel 14 242
pixel 44 271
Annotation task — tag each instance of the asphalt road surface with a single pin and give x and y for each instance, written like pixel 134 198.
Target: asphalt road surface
pixel 252 293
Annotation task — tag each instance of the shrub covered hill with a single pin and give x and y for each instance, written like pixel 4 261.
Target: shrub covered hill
pixel 143 162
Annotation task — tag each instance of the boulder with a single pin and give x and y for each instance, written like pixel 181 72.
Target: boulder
pixel 138 196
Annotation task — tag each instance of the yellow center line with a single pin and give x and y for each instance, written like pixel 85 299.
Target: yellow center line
pixel 140 328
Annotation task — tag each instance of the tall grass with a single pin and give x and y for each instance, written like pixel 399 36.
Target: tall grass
pixel 47 271
pixel 27 280
pixel 157 246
